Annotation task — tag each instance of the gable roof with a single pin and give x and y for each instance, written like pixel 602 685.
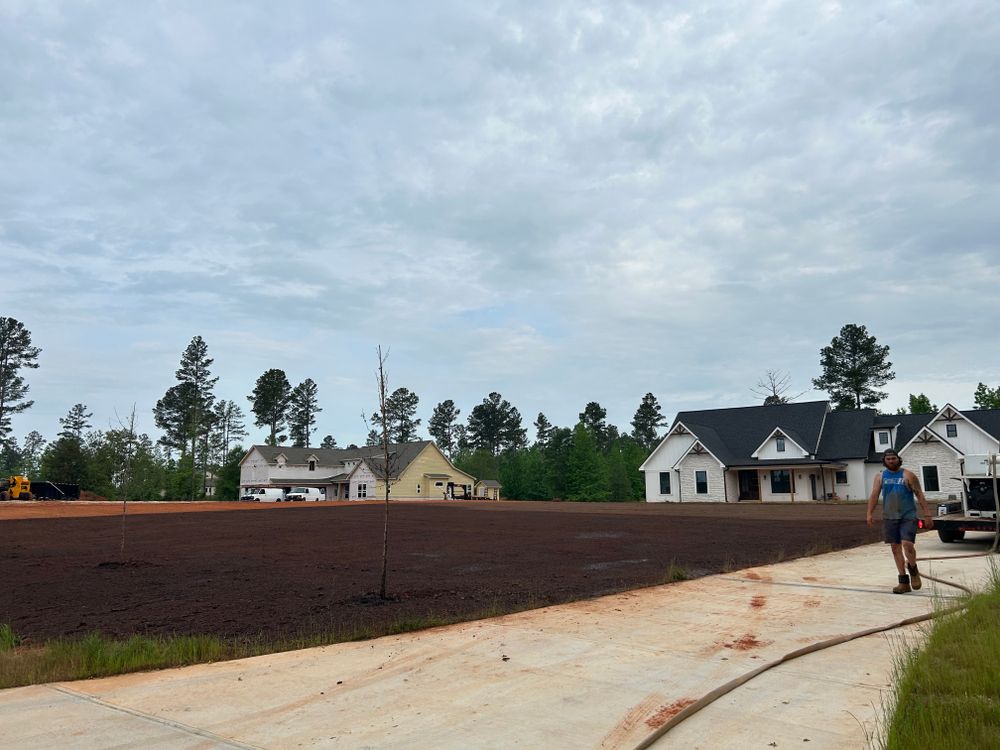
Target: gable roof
pixel 987 420
pixel 732 435
pixel 401 455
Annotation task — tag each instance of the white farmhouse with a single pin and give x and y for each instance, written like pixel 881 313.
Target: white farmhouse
pixel 807 451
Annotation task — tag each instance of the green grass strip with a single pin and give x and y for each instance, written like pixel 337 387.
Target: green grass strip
pixel 948 692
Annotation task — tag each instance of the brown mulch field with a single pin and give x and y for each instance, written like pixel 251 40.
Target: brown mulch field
pixel 242 569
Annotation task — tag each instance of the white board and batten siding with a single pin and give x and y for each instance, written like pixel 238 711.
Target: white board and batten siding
pixel 769 451
pixel 363 476
pixel 663 460
pixel 969 439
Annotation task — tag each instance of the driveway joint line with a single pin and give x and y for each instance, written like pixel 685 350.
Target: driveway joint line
pixel 203 733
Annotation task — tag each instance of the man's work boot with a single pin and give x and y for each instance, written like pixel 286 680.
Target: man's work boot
pixel 903 587
pixel 915 582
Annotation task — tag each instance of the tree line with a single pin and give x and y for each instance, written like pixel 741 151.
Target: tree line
pixel 203 437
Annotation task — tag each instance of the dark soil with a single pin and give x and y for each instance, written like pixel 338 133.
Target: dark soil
pixel 293 570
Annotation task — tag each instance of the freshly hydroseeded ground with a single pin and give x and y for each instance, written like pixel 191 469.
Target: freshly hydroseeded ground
pixel 298 569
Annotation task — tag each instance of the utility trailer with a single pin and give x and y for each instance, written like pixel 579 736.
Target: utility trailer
pixel 55 490
pixel 977 510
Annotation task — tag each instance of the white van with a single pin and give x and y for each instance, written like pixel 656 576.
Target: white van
pixel 263 495
pixel 306 493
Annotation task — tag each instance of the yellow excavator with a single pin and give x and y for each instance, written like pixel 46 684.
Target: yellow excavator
pixel 17 487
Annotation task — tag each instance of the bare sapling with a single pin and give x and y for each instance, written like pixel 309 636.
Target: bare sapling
pixel 126 471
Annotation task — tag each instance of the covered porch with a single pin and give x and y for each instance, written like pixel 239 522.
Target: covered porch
pixel 792 481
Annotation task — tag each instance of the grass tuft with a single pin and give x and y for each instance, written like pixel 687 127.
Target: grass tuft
pixel 675 573
pixel 8 638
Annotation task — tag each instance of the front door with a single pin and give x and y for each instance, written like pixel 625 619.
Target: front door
pixel 749 484
pixel 812 482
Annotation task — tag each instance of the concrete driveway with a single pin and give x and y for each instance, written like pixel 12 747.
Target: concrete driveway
pixel 602 673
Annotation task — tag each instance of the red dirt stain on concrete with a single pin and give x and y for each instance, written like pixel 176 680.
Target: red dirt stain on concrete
pixel 812 579
pixel 746 642
pixel 812 602
pixel 616 737
pixel 666 713
pixel 753 576
pixel 758 601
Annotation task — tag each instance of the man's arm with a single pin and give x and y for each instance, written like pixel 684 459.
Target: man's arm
pixel 873 498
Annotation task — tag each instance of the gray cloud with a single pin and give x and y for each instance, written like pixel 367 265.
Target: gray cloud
pixel 564 203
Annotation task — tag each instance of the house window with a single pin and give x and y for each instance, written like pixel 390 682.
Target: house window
pixel 781 482
pixel 362 490
pixel 951 430
pixel 781 444
pixel 439 484
pixel 701 482
pixel 841 477
pixel 664 482
pixel 312 464
pixel 931 483
pixel 418 489
pixel 883 438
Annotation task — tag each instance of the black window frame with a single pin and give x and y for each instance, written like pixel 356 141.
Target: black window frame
pixel 698 484
pixel 937 478
pixel 951 430
pixel 786 482
pixel 838 475
pixel 780 443
pixel 886 435
pixel 665 475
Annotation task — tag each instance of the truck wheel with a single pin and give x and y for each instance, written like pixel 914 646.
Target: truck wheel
pixel 28 496
pixel 951 535
pixel 4 496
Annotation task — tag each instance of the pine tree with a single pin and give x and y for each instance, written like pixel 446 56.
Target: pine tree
pixel 228 429
pixel 647 420
pixel 557 454
pixel 303 408
pixel 496 425
pixel 543 430
pixel 75 422
pixel 854 366
pixel 16 353
pixel 185 411
pixel 31 453
pixel 400 410
pixel 269 403
pixel 619 486
pixel 593 418
pixel 328 442
pixel 586 472
pixel 442 426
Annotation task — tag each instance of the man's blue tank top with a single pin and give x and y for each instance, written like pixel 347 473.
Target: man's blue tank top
pixel 897 498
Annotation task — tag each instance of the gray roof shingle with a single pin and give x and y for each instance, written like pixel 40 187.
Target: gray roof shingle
pixel 401 455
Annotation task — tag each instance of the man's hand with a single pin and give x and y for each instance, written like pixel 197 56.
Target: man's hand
pixel 928 523
pixel 871 520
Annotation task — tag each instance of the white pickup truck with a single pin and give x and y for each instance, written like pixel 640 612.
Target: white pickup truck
pixel 305 493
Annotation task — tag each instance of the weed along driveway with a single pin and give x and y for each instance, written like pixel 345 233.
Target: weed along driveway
pixel 602 673
pixel 286 571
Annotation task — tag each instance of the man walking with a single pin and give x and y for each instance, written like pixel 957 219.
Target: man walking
pixel 898 486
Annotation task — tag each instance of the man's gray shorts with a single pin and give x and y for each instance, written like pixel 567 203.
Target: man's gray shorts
pixel 897 530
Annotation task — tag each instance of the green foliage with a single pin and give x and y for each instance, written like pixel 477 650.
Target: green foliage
pixel 227 478
pixel 8 638
pixel 646 422
pixel 16 353
pixel 543 430
pixel 854 367
pixel 920 404
pixel 619 486
pixel 228 429
pixel 75 422
pixel 269 401
pixel 65 460
pixel 594 419
pixel 442 426
pixel 523 476
pixel 329 442
pixel 986 397
pixel 557 461
pixel 302 410
pixel 496 425
pixel 587 475
pixel 400 415
pixel 481 464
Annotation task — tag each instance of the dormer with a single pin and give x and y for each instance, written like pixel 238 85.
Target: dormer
pixel 312 462
pixel 281 460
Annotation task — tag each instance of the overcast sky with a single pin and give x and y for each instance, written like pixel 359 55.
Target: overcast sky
pixel 560 201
